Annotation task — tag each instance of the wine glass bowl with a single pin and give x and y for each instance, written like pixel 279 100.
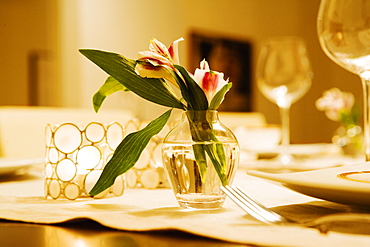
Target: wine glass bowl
pixel 343 29
pixel 283 70
pixel 283 76
pixel 344 33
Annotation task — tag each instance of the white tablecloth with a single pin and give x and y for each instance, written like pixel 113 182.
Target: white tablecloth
pixel 21 199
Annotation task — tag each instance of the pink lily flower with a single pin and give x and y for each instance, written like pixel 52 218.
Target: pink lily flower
pixel 174 51
pixel 210 81
pixel 152 65
pixel 158 61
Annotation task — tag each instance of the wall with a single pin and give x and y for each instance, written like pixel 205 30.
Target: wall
pixel 126 27
pixel 27 52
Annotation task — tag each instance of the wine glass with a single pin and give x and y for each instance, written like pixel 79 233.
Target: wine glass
pixel 284 76
pixel 344 33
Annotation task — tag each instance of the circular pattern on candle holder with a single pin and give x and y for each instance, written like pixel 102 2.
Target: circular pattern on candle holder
pixel 114 135
pixel 72 191
pixel 94 132
pixel 88 157
pixel 67 138
pixel 66 170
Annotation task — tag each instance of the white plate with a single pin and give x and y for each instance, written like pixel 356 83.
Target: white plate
pixel 327 183
pixel 297 150
pixel 10 166
pixel 303 150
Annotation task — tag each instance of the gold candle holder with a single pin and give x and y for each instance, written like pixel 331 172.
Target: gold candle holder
pixel 75 158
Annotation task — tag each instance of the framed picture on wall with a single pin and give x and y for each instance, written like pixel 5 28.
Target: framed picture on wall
pixel 230 56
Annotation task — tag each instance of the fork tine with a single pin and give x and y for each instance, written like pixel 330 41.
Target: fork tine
pixel 271 215
pixel 253 208
pixel 243 205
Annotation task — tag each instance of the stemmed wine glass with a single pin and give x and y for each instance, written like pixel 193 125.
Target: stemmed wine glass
pixel 344 32
pixel 284 76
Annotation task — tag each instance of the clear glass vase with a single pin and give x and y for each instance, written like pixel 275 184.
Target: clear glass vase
pixel 200 134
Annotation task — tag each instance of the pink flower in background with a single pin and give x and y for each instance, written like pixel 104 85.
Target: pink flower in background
pixel 336 104
pixel 210 81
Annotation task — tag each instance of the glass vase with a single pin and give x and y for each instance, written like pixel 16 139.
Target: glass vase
pixel 196 182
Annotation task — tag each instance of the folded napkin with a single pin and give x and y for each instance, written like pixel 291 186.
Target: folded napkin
pixel 144 210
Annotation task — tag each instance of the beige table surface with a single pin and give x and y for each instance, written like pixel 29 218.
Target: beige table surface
pixel 141 210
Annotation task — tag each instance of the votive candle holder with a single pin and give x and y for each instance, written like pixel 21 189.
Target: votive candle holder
pixel 75 158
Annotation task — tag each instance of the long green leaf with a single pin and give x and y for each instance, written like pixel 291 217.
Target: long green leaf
pixel 201 159
pixel 219 97
pixel 197 98
pixel 183 89
pixel 110 86
pixel 202 134
pixel 123 70
pixel 128 152
pixel 217 160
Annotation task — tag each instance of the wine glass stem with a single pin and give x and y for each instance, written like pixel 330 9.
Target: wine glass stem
pixel 366 92
pixel 285 131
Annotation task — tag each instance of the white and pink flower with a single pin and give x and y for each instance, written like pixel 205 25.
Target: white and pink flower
pixel 159 61
pixel 210 81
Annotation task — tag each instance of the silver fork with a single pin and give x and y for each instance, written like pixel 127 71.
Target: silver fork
pixel 253 208
pixel 261 213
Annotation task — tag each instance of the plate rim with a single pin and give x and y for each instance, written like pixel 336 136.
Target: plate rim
pixel 340 184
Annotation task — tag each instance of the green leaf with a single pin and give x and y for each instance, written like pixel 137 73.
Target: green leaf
pixel 183 89
pixel 110 86
pixel 219 96
pixel 123 70
pixel 128 152
pixel 202 134
pixel 196 97
pixel 201 159
pixel 216 153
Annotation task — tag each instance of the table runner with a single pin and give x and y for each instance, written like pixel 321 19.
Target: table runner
pixel 145 210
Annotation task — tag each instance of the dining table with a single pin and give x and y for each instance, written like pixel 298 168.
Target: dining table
pixel 152 217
